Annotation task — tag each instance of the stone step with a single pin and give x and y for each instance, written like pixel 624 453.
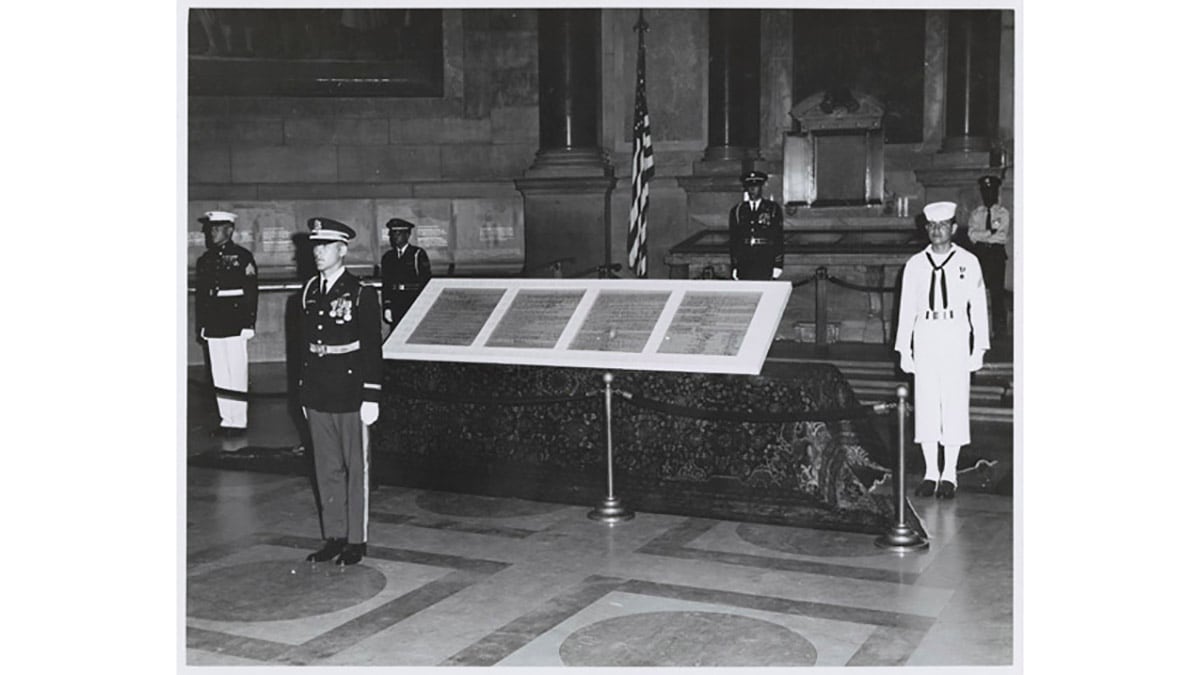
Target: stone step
pixel 999 369
pixel 876 381
pixel 983 393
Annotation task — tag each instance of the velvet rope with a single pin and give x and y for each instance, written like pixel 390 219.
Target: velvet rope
pixel 443 397
pixel 856 287
pixel 738 416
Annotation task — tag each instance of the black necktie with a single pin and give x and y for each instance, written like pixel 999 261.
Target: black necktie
pixel 324 286
pixel 933 277
pixel 989 221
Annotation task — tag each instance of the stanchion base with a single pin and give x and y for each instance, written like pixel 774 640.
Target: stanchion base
pixel 901 538
pixel 610 510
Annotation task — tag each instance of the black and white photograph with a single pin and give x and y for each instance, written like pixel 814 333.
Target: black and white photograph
pixel 609 337
pixel 601 336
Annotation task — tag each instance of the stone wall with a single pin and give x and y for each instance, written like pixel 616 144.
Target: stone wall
pixel 285 159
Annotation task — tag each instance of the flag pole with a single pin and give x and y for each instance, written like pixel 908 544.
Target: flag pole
pixel 643 161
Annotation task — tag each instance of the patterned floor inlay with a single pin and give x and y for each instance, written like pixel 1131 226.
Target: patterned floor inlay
pixel 261 610
pixel 279 589
pixel 691 635
pixel 475 506
pixel 685 639
pixel 675 544
pixel 825 543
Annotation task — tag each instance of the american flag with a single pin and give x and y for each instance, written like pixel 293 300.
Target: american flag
pixel 643 163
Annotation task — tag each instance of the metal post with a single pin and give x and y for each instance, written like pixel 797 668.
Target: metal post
pixel 609 510
pixel 822 311
pixel 901 538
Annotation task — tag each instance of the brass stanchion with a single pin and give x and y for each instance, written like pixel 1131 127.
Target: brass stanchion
pixel 609 510
pixel 901 538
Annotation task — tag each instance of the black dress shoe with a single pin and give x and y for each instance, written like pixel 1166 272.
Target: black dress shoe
pixel 946 490
pixel 233 432
pixel 925 489
pixel 352 554
pixel 331 548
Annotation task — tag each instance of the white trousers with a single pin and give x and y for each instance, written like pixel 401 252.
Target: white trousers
pixel 230 370
pixel 942 383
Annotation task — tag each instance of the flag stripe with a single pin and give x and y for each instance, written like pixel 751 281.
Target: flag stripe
pixel 643 168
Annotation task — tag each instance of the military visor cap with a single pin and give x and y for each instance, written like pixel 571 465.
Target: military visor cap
pixel 989 182
pixel 399 224
pixel 754 178
pixel 322 230
pixel 218 217
pixel 939 211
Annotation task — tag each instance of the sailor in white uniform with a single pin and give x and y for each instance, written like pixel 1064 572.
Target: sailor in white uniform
pixel 941 334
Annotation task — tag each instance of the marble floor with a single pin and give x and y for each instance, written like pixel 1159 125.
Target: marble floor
pixel 460 580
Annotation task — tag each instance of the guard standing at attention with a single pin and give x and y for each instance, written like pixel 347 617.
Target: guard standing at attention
pixel 339 389
pixel 988 230
pixel 756 233
pixel 226 309
pixel 941 334
pixel 405 270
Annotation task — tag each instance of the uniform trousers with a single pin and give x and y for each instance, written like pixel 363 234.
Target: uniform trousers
pixel 230 370
pixel 942 382
pixel 992 260
pixel 343 466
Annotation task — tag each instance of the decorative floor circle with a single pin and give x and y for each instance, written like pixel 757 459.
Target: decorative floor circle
pixel 686 639
pixel 826 543
pixel 274 590
pixel 477 506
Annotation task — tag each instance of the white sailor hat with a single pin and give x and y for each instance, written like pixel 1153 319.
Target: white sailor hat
pixel 939 211
pixel 219 217
pixel 322 230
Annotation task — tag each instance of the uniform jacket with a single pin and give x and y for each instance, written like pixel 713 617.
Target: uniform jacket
pixel 756 239
pixel 349 312
pixel 965 295
pixel 226 291
pixel 977 226
pixel 411 268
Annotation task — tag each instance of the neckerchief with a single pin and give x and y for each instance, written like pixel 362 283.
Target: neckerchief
pixel 933 278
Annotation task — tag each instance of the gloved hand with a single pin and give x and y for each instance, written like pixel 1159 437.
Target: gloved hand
pixel 734 274
pixel 247 333
pixel 907 364
pixel 975 361
pixel 387 315
pixel 776 272
pixel 369 412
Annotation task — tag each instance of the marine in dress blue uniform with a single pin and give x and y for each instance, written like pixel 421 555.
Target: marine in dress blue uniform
pixel 226 309
pixel 405 269
pixel 756 233
pixel 339 389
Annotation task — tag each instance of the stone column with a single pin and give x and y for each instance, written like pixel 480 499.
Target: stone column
pixel 567 190
pixel 733 84
pixel 568 88
pixel 972 81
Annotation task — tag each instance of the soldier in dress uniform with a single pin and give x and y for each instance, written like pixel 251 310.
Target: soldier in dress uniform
pixel 405 268
pixel 756 233
pixel 941 334
pixel 988 230
pixel 339 389
pixel 226 308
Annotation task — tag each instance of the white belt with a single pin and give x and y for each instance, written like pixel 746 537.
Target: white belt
pixel 408 287
pixel 322 350
pixel 935 315
pixel 757 241
pixel 230 292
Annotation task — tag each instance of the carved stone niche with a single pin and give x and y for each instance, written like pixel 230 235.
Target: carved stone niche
pixel 836 157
